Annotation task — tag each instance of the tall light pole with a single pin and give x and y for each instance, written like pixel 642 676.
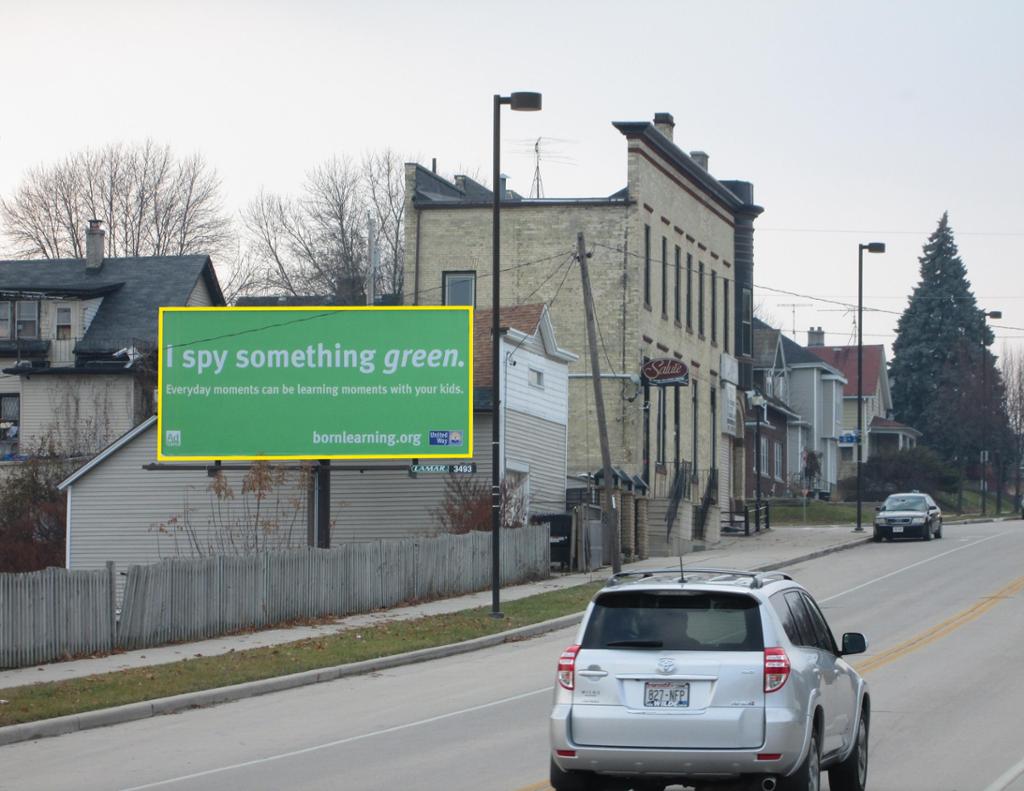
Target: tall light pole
pixel 517 101
pixel 987 428
pixel 871 247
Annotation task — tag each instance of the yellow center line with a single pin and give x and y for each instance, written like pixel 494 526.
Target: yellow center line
pixel 910 645
pixel 940 630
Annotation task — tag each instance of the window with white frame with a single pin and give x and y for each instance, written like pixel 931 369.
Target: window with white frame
pixel 763 468
pixel 26 319
pixel 63 323
pixel 778 461
pixel 536 378
pixel 10 418
pixel 5 320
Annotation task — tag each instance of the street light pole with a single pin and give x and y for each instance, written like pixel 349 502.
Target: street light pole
pixel 517 101
pixel 757 402
pixel 871 247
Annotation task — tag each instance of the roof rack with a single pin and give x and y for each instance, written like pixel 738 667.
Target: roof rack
pixel 757 578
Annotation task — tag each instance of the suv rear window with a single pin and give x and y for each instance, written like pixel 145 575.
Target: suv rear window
pixel 675 621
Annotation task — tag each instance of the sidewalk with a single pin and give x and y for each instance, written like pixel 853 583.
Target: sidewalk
pixel 767 550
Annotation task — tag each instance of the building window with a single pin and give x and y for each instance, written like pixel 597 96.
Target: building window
pixel 778 461
pixel 762 469
pixel 10 415
pixel 647 265
pixel 459 288
pixel 5 320
pixel 689 291
pixel 725 313
pixel 63 322
pixel 695 398
pixel 678 297
pixel 714 306
pixel 713 408
pixel 662 431
pixel 27 319
pixel 747 320
pixel 647 428
pixel 679 428
pixel 700 299
pixel 536 378
pixel 664 277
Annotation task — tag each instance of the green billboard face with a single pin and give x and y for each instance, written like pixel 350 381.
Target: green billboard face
pixel 315 383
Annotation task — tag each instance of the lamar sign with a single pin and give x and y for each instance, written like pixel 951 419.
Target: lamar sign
pixel 315 383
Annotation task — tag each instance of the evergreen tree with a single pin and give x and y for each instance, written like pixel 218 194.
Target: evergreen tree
pixel 944 380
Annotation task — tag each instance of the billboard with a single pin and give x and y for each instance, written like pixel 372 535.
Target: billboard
pixel 315 383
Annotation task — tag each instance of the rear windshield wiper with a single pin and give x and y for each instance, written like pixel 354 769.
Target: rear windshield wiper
pixel 634 644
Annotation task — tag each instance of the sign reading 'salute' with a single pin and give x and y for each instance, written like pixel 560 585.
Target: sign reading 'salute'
pixel 315 383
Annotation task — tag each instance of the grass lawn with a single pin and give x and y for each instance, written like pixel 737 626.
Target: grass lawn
pixel 55 699
pixel 819 512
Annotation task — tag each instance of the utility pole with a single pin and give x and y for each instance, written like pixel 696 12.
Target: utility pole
pixel 611 533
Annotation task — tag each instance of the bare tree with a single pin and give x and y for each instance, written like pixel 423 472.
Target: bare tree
pixel 316 244
pixel 1013 379
pixel 152 203
pixel 384 176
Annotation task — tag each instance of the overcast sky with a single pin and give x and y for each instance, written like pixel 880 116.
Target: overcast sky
pixel 856 122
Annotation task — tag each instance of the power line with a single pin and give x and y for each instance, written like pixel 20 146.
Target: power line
pixel 888 232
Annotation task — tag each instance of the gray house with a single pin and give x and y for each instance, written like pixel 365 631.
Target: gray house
pixel 810 391
pixel 119 510
pixel 77 338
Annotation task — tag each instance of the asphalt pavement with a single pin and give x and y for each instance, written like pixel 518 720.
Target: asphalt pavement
pixel 772 549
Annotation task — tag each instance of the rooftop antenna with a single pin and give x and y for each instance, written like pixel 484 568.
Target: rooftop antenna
pixel 793 306
pixel 537 188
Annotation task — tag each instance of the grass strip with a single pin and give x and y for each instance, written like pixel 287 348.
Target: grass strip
pixel 55 699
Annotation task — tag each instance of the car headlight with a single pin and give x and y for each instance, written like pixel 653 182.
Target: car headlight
pixel 917 520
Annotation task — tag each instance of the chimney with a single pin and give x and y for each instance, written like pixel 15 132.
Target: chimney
pixel 503 187
pixel 815 336
pixel 664 123
pixel 700 157
pixel 94 246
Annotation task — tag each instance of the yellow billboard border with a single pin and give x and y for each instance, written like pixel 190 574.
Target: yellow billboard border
pixel 307 308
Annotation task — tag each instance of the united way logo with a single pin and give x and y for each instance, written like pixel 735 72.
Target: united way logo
pixel 172 439
pixel 446 439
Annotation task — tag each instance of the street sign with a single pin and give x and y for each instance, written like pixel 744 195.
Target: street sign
pixel 315 383
pixel 451 469
pixel 666 371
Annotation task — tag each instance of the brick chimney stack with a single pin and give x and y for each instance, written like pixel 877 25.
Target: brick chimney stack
pixel 665 123
pixel 94 246
pixel 815 336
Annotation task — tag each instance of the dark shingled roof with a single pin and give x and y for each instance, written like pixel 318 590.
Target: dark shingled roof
pixel 134 289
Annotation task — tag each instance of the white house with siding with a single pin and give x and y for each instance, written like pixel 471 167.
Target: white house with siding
pixel 119 510
pixel 76 344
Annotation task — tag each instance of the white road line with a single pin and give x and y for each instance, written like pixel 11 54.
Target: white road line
pixel 1007 777
pixel 338 742
pixel 907 568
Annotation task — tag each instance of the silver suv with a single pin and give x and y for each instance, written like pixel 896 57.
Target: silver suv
pixel 710 678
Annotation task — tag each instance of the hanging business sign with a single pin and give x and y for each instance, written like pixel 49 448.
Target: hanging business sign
pixel 666 371
pixel 315 383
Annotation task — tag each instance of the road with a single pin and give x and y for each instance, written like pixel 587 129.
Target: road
pixel 945 622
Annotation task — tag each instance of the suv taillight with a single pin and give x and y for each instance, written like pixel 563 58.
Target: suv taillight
pixel 567 667
pixel 776 669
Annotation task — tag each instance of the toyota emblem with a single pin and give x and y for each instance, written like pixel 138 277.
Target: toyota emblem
pixel 666 665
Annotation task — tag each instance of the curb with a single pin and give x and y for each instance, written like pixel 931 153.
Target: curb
pixel 58 726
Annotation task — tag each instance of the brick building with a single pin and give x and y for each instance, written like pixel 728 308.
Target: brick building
pixel 672 275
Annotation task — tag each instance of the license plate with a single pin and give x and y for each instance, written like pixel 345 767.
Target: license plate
pixel 666 694
pixel 897 529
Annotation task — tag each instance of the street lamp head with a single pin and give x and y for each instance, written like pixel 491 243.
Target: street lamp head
pixel 874 247
pixel 994 314
pixel 525 100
